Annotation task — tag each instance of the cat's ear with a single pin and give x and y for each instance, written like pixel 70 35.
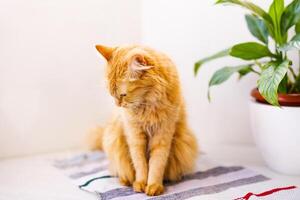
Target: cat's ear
pixel 138 65
pixel 106 52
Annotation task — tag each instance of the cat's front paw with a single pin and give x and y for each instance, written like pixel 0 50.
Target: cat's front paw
pixel 125 181
pixel 139 186
pixel 154 189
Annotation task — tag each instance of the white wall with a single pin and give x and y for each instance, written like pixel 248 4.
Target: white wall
pixel 51 81
pixel 190 30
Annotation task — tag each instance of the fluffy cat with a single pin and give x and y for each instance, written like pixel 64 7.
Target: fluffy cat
pixel 148 139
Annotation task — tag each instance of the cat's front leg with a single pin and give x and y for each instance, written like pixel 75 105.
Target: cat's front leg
pixel 159 146
pixel 137 142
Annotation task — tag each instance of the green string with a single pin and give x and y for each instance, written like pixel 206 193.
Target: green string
pixel 89 181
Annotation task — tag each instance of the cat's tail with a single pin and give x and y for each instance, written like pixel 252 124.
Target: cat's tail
pixel 94 139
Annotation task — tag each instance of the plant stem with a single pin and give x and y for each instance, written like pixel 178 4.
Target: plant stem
pixel 254 71
pixel 297 82
pixel 299 63
pixel 293 72
pixel 258 64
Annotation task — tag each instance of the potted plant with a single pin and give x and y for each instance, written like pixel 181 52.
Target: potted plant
pixel 275 115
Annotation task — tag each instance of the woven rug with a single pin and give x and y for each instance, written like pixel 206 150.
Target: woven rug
pixel 89 171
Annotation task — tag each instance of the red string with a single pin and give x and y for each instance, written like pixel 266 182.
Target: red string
pixel 248 195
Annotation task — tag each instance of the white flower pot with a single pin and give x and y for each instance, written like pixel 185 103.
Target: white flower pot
pixel 277 135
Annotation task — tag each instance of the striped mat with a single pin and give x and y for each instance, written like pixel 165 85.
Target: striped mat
pixel 89 171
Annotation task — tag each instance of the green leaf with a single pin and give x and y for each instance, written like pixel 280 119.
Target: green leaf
pixel 297 27
pixel 255 10
pixel 297 85
pixel 270 79
pixel 283 86
pixel 207 59
pixel 250 6
pixel 257 27
pixel 224 74
pixel 244 71
pixel 294 43
pixel 290 16
pixel 250 51
pixel 275 11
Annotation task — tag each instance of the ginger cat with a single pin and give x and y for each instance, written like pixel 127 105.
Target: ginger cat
pixel 148 139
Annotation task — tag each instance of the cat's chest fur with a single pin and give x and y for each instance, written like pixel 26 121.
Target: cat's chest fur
pixel 149 121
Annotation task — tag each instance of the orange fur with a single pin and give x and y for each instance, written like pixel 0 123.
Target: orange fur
pixel 148 139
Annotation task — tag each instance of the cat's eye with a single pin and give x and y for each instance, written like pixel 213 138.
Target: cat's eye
pixel 123 95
